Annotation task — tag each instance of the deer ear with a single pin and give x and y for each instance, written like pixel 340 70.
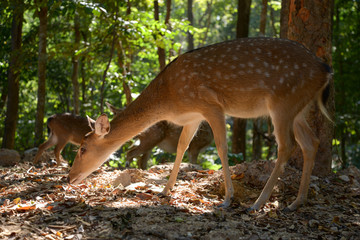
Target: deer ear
pixel 114 110
pixel 102 125
pixel 91 122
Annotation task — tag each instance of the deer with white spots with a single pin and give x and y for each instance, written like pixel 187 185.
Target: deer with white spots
pixel 245 78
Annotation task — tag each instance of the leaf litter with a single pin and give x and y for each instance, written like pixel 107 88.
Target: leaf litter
pixel 37 203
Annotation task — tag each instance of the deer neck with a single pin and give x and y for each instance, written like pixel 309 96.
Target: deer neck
pixel 141 114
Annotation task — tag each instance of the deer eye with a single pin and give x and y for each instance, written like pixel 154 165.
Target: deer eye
pixel 82 150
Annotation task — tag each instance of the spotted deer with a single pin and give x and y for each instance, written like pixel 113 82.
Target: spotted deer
pixel 64 128
pixel 165 135
pixel 245 78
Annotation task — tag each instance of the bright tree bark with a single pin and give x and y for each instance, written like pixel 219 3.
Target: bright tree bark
pixel 40 110
pixel 310 24
pixel 12 106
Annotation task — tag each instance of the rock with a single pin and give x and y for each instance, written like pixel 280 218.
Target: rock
pixel 186 167
pixel 9 157
pixel 124 179
pixel 313 223
pixel 344 178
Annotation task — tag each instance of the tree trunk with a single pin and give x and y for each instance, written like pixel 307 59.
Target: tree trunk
pixel 40 110
pixel 190 36
pixel 284 18
pixel 310 24
pixel 12 106
pixel 161 51
pixel 239 125
pixel 263 17
pixel 75 63
pixel 257 143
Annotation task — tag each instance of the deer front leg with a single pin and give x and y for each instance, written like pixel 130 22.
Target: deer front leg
pixel 217 123
pixel 187 134
pixel 58 148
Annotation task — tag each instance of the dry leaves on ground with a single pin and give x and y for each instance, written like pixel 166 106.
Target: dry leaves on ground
pixel 115 204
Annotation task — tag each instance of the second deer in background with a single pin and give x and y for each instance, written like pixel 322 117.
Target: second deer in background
pixel 165 135
pixel 64 128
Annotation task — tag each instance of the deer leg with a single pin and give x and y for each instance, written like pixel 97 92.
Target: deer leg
pixel 309 144
pixel 142 162
pixel 218 126
pixel 193 155
pixel 285 140
pixel 187 134
pixel 46 145
pixel 131 154
pixel 58 148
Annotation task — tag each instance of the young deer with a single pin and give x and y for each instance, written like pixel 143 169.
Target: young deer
pixel 165 135
pixel 245 78
pixel 64 128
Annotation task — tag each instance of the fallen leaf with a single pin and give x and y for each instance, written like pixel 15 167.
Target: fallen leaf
pixel 144 196
pixel 237 177
pixel 16 200
pixel 26 208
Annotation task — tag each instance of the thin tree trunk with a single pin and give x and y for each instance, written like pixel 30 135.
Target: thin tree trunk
pixel 12 106
pixel 75 63
pixel 161 51
pixel 284 18
pixel 263 17
pixel 40 110
pixel 310 24
pixel 190 36
pixel 168 12
pixel 239 125
pixel 257 143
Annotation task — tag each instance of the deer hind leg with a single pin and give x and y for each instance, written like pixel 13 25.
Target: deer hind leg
pixel 136 151
pixel 309 144
pixel 187 134
pixel 46 145
pixel 142 162
pixel 217 123
pixel 285 139
pixel 193 154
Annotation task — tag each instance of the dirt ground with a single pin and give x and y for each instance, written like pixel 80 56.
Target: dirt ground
pixel 37 203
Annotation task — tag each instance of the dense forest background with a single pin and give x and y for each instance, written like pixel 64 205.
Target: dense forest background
pixel 98 51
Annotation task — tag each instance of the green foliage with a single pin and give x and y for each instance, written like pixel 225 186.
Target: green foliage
pixel 346 58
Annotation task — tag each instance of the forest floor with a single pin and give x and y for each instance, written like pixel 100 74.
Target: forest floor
pixel 37 203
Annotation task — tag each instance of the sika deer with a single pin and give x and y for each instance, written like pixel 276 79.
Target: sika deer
pixel 64 128
pixel 165 135
pixel 245 78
